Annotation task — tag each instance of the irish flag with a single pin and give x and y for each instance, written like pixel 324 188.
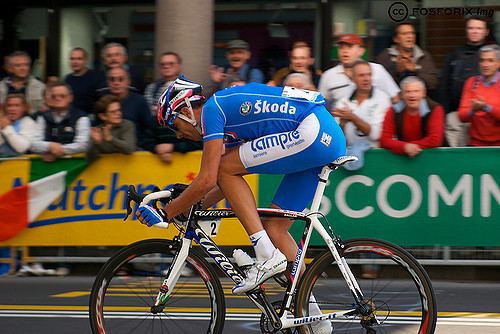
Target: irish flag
pixel 24 203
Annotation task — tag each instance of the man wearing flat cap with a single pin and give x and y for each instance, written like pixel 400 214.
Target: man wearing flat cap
pixel 238 55
pixel 336 82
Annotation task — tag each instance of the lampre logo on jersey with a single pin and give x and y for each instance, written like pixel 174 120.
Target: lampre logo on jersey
pixel 264 106
pixel 284 140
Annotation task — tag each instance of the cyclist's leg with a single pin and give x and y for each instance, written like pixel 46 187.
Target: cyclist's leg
pixel 299 154
pixel 214 196
pixel 270 261
pixel 238 192
pixel 277 229
pixel 294 193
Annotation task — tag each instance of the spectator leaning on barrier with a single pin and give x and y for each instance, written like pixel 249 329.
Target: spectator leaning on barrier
pixel 462 63
pixel 170 68
pixel 336 82
pixel 301 61
pixel 480 103
pixel 415 123
pixel 238 55
pixel 16 127
pixel 63 129
pixel 405 58
pixel 83 81
pixel 20 81
pixel 114 55
pixel 361 115
pixel 114 134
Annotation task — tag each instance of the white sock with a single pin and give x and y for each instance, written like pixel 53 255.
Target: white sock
pixel 313 306
pixel 263 246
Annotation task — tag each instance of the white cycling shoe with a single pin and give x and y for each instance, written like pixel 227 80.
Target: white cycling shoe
pixel 261 271
pixel 322 327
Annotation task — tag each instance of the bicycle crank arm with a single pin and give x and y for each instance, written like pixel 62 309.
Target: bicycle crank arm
pixel 260 299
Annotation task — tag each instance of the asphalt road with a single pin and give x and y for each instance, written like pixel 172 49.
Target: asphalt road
pixel 58 305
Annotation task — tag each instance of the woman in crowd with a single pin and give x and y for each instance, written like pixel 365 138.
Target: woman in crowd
pixel 16 127
pixel 114 134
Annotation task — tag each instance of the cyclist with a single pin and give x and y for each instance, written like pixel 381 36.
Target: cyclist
pixel 251 129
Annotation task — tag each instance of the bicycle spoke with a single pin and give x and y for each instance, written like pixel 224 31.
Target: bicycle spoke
pixel 392 297
pixel 127 300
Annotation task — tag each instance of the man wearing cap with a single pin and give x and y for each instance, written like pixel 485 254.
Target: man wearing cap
pixel 238 55
pixel 336 82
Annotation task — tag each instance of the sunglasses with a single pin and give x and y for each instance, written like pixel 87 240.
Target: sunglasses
pixel 168 63
pixel 117 79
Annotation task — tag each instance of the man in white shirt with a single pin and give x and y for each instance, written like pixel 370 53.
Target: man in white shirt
pixel 336 83
pixel 361 115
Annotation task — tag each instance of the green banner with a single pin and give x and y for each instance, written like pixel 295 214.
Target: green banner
pixel 445 197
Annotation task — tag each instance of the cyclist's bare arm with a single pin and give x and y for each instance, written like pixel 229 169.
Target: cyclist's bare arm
pixel 203 183
pixel 216 195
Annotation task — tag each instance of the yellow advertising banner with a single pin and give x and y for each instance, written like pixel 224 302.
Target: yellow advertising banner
pixel 14 172
pixel 91 211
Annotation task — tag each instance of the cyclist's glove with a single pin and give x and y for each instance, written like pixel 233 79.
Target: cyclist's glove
pixel 152 216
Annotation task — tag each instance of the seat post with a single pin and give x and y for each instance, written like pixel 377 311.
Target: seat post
pixel 323 178
pixel 320 189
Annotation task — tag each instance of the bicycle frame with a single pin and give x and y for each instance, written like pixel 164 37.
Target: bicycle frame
pixel 282 320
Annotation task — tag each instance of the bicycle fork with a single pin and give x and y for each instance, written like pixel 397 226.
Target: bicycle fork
pixel 173 274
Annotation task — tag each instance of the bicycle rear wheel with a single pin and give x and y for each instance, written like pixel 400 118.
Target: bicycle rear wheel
pixel 127 285
pixel 395 287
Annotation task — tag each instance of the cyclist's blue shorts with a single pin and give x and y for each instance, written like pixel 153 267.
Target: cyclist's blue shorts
pixel 300 154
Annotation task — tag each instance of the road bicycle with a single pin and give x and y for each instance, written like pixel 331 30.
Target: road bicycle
pixel 143 288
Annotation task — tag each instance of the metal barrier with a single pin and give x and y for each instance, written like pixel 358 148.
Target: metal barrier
pixel 443 205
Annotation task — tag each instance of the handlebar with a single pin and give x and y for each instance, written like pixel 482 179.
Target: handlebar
pixel 142 200
pixel 154 196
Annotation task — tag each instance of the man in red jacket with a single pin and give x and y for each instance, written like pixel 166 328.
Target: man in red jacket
pixel 480 102
pixel 414 123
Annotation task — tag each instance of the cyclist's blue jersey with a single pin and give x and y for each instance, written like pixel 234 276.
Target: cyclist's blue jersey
pixel 244 113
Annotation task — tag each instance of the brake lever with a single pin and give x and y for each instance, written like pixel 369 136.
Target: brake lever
pixel 132 195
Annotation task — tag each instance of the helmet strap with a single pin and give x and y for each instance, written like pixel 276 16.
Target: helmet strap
pixel 191 120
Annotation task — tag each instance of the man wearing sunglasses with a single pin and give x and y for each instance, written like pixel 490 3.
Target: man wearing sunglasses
pixel 252 129
pixel 134 105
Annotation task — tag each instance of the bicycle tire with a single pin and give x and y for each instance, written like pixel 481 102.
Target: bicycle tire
pixel 399 291
pixel 126 287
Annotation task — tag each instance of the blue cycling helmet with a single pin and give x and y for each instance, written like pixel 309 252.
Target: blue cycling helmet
pixel 180 93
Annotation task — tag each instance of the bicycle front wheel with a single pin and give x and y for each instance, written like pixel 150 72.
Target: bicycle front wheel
pixel 126 287
pixel 397 291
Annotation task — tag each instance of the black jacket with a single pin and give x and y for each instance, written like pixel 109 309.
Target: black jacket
pixel 461 64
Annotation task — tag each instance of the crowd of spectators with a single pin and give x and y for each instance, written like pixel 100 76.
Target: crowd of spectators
pixel 400 102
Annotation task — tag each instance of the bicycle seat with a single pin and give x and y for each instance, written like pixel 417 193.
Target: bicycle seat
pixel 342 160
